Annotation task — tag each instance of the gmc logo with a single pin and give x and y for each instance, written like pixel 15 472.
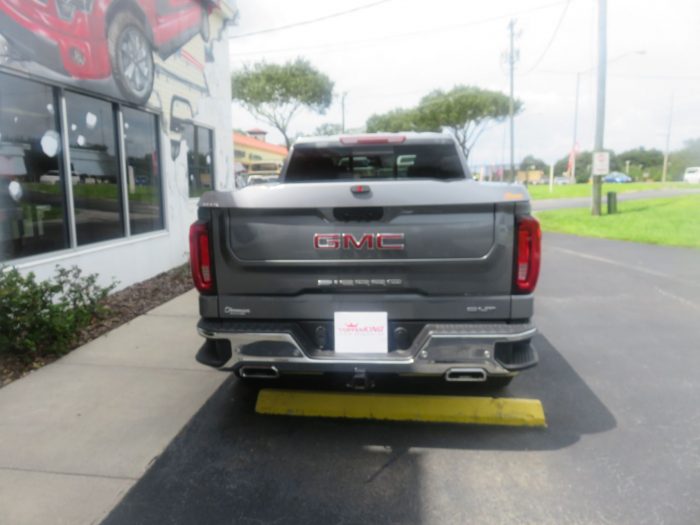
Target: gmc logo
pixel 369 241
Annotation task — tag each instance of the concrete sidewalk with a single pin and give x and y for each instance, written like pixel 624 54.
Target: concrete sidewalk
pixel 77 434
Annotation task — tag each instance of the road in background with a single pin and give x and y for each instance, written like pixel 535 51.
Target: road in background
pixel 582 202
pixel 618 349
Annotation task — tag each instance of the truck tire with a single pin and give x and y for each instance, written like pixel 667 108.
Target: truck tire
pixel 131 57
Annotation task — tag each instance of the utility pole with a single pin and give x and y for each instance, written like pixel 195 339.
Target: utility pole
pixel 511 108
pixel 600 104
pixel 668 141
pixel 573 146
pixel 342 108
pixel 576 104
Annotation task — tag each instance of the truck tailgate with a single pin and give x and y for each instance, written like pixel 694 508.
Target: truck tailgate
pixel 427 238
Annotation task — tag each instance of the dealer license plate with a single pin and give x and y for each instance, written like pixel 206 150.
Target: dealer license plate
pixel 361 333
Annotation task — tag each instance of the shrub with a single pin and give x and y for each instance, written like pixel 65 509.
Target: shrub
pixel 45 317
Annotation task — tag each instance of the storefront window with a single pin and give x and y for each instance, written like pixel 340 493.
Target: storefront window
pixel 37 213
pixel 144 189
pixel 32 197
pixel 95 169
pixel 200 159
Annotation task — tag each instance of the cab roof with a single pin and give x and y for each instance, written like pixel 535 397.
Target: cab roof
pixel 409 137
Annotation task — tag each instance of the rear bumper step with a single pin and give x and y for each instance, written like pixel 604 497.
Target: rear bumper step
pixel 458 351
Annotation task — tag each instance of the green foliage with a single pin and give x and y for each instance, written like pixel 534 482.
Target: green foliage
pixel 584 165
pixel 395 121
pixel 645 164
pixel 644 158
pixel 276 92
pixel 464 111
pixel 684 158
pixel 45 317
pixel 530 162
pixel 328 128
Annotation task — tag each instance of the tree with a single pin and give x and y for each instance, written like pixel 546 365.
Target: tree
pixel 464 111
pixel 328 128
pixel 584 165
pixel 395 121
pixel 643 163
pixel 644 158
pixel 530 162
pixel 275 93
pixel 684 158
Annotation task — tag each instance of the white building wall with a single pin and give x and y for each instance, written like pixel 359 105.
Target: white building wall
pixel 133 259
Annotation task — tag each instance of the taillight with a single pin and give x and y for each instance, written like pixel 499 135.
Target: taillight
pixel 372 139
pixel 200 258
pixel 528 254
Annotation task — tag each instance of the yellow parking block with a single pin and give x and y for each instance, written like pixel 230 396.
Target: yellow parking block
pixel 401 407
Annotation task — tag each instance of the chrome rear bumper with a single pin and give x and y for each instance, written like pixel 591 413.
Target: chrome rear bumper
pixel 496 349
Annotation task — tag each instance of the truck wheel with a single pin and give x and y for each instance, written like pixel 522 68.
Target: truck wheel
pixel 131 56
pixel 499 382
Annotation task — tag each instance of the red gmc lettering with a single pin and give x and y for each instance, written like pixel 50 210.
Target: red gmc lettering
pixel 390 241
pixel 349 241
pixel 327 241
pixel 369 241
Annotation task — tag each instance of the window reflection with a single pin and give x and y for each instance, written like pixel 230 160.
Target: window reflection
pixel 32 200
pixel 200 159
pixel 95 169
pixel 142 171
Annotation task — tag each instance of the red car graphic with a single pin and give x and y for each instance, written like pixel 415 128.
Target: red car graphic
pixel 95 39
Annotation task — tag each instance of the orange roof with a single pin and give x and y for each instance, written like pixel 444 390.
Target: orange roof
pixel 245 140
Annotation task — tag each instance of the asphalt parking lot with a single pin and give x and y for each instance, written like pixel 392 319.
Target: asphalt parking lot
pixel 617 378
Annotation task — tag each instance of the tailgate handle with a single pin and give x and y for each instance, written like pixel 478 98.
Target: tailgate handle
pixel 365 214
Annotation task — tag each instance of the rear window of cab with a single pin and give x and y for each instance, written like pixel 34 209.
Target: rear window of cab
pixel 375 162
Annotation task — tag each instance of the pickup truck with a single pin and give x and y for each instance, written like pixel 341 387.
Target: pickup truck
pixel 374 254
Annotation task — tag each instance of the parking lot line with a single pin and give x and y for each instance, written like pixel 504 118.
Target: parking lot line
pixel 403 407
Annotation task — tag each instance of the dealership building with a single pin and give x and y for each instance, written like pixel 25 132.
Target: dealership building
pixel 114 118
pixel 251 147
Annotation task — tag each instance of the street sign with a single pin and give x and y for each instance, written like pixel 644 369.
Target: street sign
pixel 601 163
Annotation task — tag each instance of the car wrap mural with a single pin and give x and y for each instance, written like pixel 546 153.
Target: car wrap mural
pixel 141 52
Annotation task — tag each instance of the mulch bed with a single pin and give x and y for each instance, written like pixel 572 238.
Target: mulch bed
pixel 123 305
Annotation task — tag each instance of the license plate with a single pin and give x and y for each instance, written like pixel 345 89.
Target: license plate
pixel 361 333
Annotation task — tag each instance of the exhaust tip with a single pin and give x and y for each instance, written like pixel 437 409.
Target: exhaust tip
pixel 259 372
pixel 466 374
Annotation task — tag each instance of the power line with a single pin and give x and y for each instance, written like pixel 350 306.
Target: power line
pixel 371 41
pixel 311 21
pixel 624 75
pixel 551 40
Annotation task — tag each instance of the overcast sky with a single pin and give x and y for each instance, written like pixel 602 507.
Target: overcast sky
pixel 392 54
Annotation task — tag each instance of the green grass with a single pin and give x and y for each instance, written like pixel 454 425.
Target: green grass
pixel 99 191
pixel 570 191
pixel 673 221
